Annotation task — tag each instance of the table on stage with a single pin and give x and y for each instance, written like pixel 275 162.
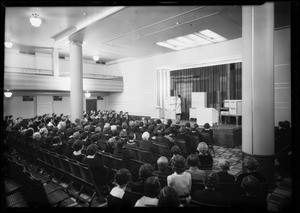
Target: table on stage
pixel 236 118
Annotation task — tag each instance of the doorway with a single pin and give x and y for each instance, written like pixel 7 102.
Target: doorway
pixel 91 104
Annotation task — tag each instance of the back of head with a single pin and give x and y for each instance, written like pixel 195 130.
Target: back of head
pixel 123 177
pixel 178 164
pixel 187 124
pixel 167 131
pixel 211 180
pixel 250 163
pixel 224 164
pixel 152 187
pixel 162 163
pixel 145 136
pixel 168 197
pixel 77 145
pixel 206 126
pixel 250 184
pixel 182 130
pixel 193 160
pixel 56 140
pixel 120 143
pixel 36 136
pixel 175 150
pixel 92 149
pixel 145 171
pixel 202 147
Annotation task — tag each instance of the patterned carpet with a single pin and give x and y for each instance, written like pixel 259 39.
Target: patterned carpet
pixel 279 195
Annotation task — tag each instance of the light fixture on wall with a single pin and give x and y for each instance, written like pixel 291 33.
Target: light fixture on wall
pixel 96 58
pixel 87 94
pixel 8 43
pixel 35 20
pixel 7 94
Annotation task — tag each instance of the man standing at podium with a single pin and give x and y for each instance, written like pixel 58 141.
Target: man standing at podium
pixel 178 107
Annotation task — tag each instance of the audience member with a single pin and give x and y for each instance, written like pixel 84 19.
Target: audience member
pixel 168 197
pixel 57 145
pixel 175 150
pixel 163 166
pixel 183 136
pixel 208 136
pixel 180 180
pixel 145 171
pixel 251 200
pixel 151 191
pixel 111 143
pixel 196 173
pixel 251 164
pixel 209 195
pixel 96 167
pixel 77 147
pixel 223 176
pixel 205 158
pixel 118 198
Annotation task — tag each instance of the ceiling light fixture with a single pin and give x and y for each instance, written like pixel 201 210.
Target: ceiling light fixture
pixel 8 43
pixel 192 40
pixel 87 94
pixel 35 20
pixel 96 58
pixel 7 94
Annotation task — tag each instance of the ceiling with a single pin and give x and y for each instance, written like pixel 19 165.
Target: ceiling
pixel 116 33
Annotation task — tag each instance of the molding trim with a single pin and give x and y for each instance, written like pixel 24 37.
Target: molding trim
pixel 206 63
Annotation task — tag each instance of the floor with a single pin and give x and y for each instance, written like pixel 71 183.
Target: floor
pixel 278 194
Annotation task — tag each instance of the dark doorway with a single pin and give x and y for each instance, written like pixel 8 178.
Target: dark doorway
pixel 91 104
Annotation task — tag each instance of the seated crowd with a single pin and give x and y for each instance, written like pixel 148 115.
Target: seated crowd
pixel 169 182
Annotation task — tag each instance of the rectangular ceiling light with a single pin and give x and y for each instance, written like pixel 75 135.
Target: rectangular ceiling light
pixel 212 36
pixel 192 40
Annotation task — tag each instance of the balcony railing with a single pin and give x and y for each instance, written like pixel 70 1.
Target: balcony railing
pixel 61 74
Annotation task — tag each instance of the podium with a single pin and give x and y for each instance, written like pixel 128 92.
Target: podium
pixel 207 115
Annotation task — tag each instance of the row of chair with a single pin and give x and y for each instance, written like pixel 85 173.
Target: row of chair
pixel 31 192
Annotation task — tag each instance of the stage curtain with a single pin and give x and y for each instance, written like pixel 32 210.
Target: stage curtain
pixel 220 82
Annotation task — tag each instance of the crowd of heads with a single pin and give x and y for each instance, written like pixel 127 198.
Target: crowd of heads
pixel 118 129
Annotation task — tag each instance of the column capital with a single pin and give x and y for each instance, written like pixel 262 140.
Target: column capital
pixel 77 43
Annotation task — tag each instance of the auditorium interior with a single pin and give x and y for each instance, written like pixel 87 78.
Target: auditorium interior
pixel 111 75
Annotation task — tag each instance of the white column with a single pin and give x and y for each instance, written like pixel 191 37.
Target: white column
pixel 258 82
pixel 76 85
pixel 55 65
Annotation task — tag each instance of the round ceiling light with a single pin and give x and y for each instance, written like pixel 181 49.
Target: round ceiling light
pixel 95 58
pixel 7 94
pixel 35 20
pixel 87 94
pixel 8 43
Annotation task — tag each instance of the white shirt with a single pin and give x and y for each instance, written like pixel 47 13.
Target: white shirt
pixel 182 183
pixel 144 201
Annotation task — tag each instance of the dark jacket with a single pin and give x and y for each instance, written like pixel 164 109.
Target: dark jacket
pixel 224 177
pixel 209 196
pixel 97 169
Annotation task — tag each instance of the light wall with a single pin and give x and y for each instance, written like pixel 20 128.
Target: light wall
pixel 44 104
pixel 140 80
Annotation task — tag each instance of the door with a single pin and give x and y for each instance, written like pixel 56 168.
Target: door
pixel 91 104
